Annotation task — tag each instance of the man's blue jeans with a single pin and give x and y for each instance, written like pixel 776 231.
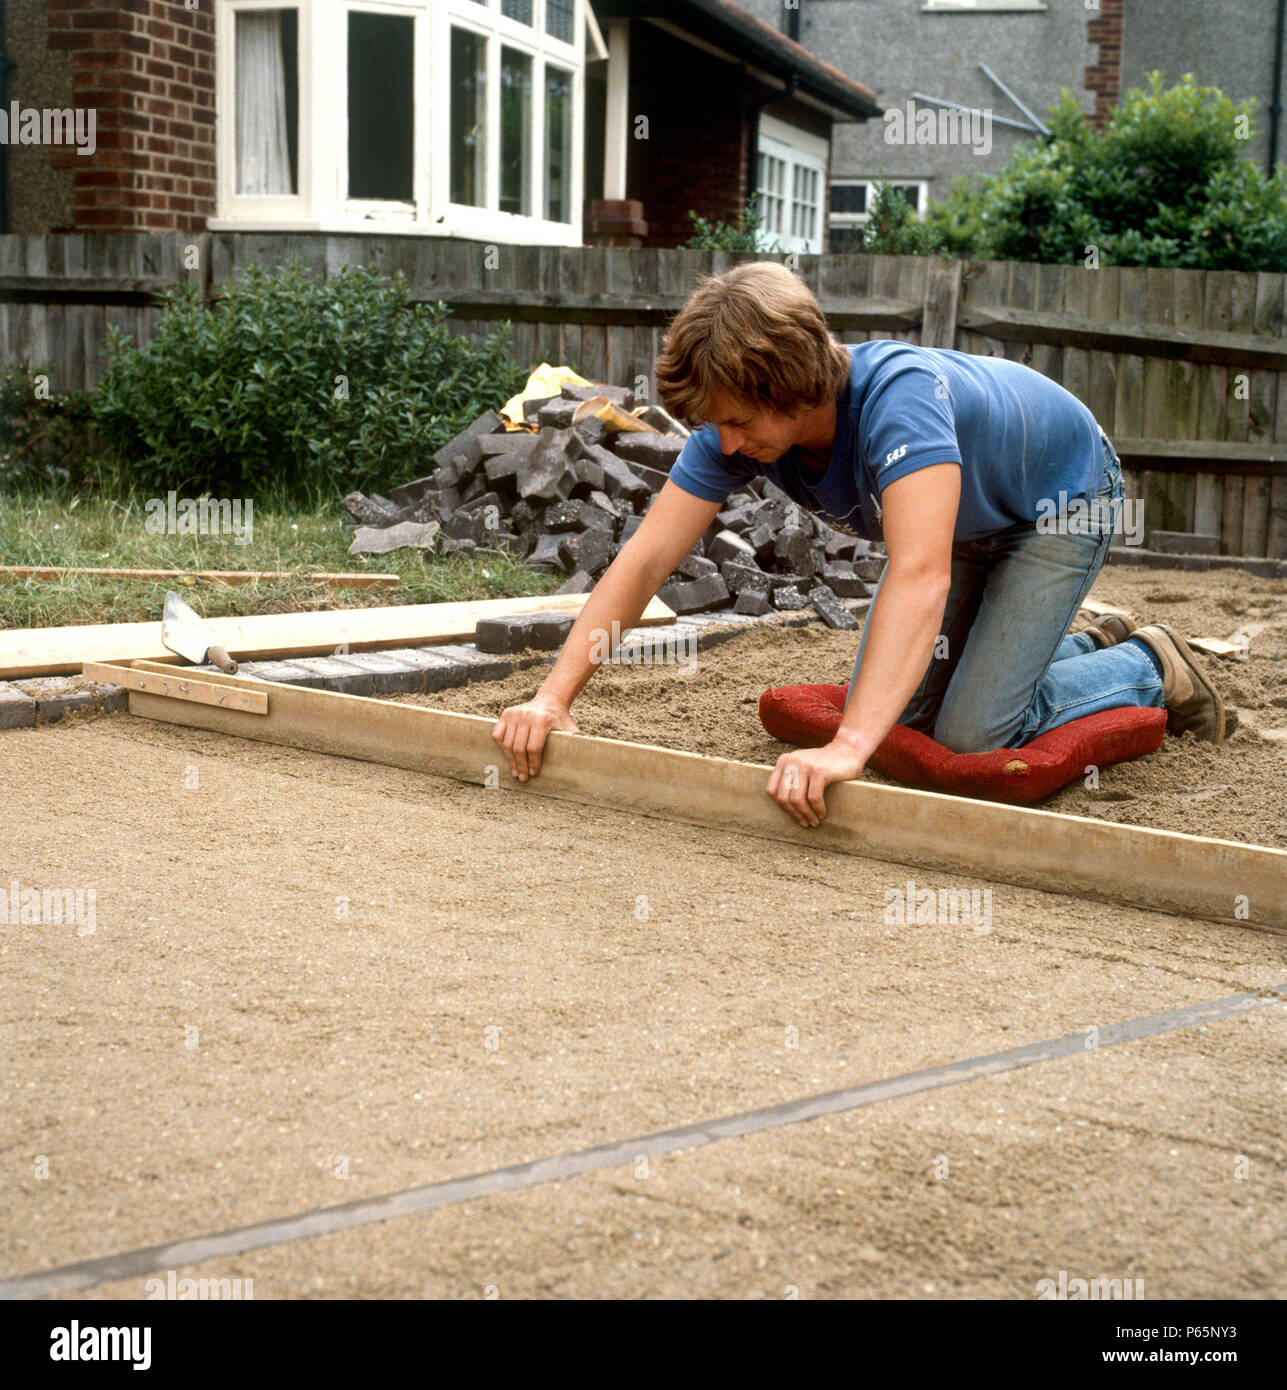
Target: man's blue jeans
pixel 1005 669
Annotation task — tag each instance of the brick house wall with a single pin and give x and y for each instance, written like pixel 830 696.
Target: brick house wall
pixel 147 68
pixel 1104 76
pixel 695 153
pixel 700 119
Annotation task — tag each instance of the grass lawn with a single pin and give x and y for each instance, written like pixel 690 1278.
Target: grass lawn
pixel 42 528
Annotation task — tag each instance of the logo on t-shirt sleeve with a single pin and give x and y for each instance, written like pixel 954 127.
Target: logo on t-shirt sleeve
pixel 896 455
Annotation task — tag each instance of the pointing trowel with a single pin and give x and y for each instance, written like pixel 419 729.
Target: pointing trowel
pixel 192 637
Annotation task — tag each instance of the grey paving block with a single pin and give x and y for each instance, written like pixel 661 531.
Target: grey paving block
pixel 513 632
pixel 831 610
pixel 729 546
pixel 662 633
pixel 844 583
pixel 481 667
pixel 740 578
pixel 390 675
pixel 113 697
pixel 869 568
pixel 713 629
pixel 753 602
pixel 694 566
pixel 421 658
pixel 590 551
pixel 621 396
pixel 657 451
pixel 284 672
pixel 794 617
pixel 17 708
pixel 723 618
pixel 339 673
pixel 489 422
pixel 579 583
pixel 55 695
pixel 674 644
pixel 695 594
pixel 439 671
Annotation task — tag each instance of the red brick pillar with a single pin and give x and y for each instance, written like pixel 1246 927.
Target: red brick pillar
pixel 1104 76
pixel 146 68
pixel 614 222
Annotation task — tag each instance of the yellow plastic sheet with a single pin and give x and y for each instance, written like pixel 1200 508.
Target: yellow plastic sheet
pixel 544 381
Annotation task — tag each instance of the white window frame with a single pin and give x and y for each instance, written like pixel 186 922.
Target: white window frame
pixel 797 149
pixel 291 210
pixel 321 202
pixel 370 210
pixel 859 219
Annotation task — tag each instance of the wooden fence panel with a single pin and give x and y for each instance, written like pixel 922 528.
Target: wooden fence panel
pixel 1159 356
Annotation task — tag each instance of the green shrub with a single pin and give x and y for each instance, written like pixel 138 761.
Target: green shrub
pixel 46 438
pixel 1167 182
pixel 294 386
pixel 724 236
pixel 892 227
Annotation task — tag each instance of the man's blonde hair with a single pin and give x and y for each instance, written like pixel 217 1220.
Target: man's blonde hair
pixel 755 333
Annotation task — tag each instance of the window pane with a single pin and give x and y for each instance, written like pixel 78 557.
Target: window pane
pixel 848 197
pixel 559 19
pixel 381 118
pixel 468 118
pixel 558 144
pixel 520 10
pixel 267 81
pixel 516 132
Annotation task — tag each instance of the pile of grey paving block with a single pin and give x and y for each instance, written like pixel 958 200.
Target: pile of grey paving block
pixel 567 497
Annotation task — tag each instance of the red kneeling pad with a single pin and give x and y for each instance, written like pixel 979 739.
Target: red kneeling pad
pixel 808 715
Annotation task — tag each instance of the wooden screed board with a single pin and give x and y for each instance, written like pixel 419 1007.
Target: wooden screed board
pixel 1218 880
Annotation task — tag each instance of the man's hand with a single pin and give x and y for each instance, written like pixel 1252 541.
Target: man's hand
pixel 521 731
pixel 800 778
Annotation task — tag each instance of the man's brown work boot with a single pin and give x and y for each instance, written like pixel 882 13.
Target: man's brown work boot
pixel 1109 629
pixel 1193 705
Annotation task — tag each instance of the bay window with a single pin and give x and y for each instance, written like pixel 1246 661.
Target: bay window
pixel 456 117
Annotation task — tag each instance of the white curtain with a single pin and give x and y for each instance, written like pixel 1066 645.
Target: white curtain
pixel 263 155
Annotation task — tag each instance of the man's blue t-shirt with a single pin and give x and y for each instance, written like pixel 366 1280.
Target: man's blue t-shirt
pixel 1020 439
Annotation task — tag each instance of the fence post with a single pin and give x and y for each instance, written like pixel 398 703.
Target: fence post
pixel 942 295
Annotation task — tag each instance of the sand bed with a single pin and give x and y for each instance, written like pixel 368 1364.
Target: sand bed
pixel 313 980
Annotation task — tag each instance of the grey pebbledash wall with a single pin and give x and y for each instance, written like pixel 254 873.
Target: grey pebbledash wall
pixel 902 46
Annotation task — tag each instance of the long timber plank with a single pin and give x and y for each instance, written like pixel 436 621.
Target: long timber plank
pixel 63 572
pixel 56 651
pixel 1194 877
